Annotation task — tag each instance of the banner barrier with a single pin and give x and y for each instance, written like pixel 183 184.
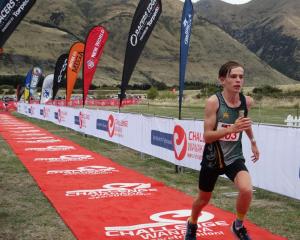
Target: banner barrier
pixel 85 188
pixel 181 141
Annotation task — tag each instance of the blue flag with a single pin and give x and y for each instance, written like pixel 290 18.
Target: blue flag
pixel 27 85
pixel 186 27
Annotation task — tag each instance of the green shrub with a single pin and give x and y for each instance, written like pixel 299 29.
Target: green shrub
pixel 10 91
pixel 167 95
pixel 152 93
pixel 267 91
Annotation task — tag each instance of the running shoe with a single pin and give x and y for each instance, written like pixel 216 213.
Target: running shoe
pixel 240 233
pixel 191 230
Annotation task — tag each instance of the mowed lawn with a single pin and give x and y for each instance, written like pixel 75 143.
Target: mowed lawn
pixel 26 214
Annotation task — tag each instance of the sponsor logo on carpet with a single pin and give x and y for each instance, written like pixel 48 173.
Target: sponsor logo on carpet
pixel 86 170
pixel 20 128
pixel 29 134
pixel 114 190
pixel 51 149
pixel 40 141
pixel 66 158
pixel 32 138
pixel 26 131
pixel 169 225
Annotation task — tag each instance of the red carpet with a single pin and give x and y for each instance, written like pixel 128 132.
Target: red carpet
pixel 99 199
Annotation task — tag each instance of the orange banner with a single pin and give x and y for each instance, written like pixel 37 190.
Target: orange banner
pixel 74 65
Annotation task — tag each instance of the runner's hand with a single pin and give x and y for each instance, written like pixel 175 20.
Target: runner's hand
pixel 241 124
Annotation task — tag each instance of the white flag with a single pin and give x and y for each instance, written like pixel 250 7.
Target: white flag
pixel 47 89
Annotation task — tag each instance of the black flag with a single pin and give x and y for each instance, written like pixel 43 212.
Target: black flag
pixel 143 22
pixel 11 14
pixel 59 73
pixel 20 91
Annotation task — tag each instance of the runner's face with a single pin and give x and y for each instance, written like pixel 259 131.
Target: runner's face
pixel 234 81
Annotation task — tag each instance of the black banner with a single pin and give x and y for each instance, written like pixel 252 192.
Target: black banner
pixel 59 73
pixel 143 22
pixel 11 14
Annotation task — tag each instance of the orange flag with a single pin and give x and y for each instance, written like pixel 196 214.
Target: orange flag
pixel 74 65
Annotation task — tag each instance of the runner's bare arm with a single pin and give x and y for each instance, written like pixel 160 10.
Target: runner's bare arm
pixel 249 132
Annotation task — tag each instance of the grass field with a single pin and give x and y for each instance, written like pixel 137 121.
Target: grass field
pixel 268 115
pixel 26 214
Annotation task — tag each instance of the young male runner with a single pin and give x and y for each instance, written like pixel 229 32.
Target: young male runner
pixel 225 121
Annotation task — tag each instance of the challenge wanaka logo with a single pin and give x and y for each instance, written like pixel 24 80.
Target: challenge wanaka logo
pixel 39 141
pixel 183 143
pixel 170 225
pixel 44 112
pixel 113 126
pixel 66 158
pixel 60 115
pixel 81 119
pixel 179 142
pixel 31 110
pixel 86 170
pixel 51 149
pixel 113 190
pixel 27 131
pixel 20 128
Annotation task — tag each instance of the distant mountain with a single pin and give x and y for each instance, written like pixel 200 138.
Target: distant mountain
pixel 51 27
pixel 269 28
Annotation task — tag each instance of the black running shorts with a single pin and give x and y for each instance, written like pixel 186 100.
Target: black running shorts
pixel 208 177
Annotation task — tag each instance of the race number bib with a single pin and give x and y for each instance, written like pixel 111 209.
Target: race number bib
pixel 231 137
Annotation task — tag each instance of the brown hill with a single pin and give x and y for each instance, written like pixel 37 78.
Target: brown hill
pixel 52 26
pixel 269 28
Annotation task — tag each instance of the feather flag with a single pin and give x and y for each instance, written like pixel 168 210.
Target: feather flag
pixel 27 85
pixel 74 65
pixel 94 46
pixel 36 76
pixel 59 73
pixel 12 13
pixel 186 27
pixel 143 22
pixel 47 89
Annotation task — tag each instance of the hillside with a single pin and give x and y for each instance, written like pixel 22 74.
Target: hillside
pixel 51 27
pixel 269 28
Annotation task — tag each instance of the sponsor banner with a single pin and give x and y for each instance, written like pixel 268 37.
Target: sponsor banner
pixel 143 22
pixel 11 14
pixel 75 60
pixel 59 73
pixel 94 46
pixel 82 120
pixel 181 142
pixel 47 91
pixel 117 127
